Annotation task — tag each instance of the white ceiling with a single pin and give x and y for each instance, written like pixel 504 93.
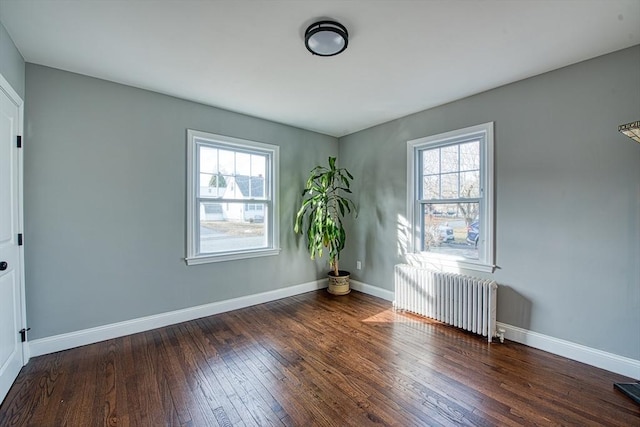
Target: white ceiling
pixel 249 56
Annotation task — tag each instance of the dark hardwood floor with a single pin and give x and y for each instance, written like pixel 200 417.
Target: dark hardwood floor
pixel 313 359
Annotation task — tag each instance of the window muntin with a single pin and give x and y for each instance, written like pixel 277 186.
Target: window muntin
pixel 232 212
pixel 450 200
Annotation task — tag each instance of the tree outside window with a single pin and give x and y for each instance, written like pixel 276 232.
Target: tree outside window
pixel 450 197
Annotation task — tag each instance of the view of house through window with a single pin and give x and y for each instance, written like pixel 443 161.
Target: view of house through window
pixel 233 205
pixel 227 179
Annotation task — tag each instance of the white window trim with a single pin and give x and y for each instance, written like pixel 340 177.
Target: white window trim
pixel 487 219
pixel 193 258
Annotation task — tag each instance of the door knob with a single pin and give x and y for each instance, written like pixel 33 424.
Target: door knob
pixel 3 265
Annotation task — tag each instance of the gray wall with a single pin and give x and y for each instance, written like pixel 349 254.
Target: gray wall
pixel 105 180
pixel 105 201
pixel 567 196
pixel 11 62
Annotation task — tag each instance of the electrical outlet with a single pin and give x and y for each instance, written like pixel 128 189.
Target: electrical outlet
pixel 358 265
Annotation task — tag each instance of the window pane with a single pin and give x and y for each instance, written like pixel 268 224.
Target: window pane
pixel 257 187
pixel 470 184
pixel 210 182
pixel 243 164
pixel 449 159
pixel 431 161
pixel 203 180
pixel 208 159
pixel 247 187
pixel 212 211
pixel 470 156
pixel 450 186
pixel 431 187
pixel 226 162
pixel 242 175
pixel 451 228
pixel 228 227
pixel 212 185
pixel 258 165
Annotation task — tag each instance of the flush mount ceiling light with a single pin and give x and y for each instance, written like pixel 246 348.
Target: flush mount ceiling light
pixel 632 130
pixel 326 38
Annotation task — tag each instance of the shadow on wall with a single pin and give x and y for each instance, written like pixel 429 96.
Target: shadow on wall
pixel 513 307
pixel 382 195
pixel 292 182
pixel 379 192
pixel 404 237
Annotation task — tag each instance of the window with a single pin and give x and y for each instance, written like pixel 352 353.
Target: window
pixel 450 197
pixel 231 208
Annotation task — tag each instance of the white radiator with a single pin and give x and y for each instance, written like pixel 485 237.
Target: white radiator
pixel 466 302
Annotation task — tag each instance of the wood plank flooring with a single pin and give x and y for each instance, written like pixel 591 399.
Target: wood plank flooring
pixel 312 359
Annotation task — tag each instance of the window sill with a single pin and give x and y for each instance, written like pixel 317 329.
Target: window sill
pixel 447 263
pixel 205 259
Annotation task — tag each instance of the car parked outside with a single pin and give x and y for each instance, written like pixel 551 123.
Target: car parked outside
pixel 436 234
pixel 473 232
pixel 445 233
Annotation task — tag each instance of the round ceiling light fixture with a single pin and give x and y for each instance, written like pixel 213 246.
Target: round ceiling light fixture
pixel 326 38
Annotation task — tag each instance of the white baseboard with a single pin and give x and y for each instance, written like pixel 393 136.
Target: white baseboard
pixel 372 290
pixel 69 340
pixel 601 359
pixel 591 356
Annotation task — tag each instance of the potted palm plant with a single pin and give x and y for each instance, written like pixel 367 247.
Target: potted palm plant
pixel 324 205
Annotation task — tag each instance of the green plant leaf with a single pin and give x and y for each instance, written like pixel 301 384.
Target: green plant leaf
pixel 322 209
pixel 348 174
pixel 332 163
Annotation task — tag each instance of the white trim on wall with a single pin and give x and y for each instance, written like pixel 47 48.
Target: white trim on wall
pixel 372 290
pixel 74 339
pixel 591 356
pixel 598 358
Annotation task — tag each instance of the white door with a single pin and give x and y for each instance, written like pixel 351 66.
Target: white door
pixel 11 289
